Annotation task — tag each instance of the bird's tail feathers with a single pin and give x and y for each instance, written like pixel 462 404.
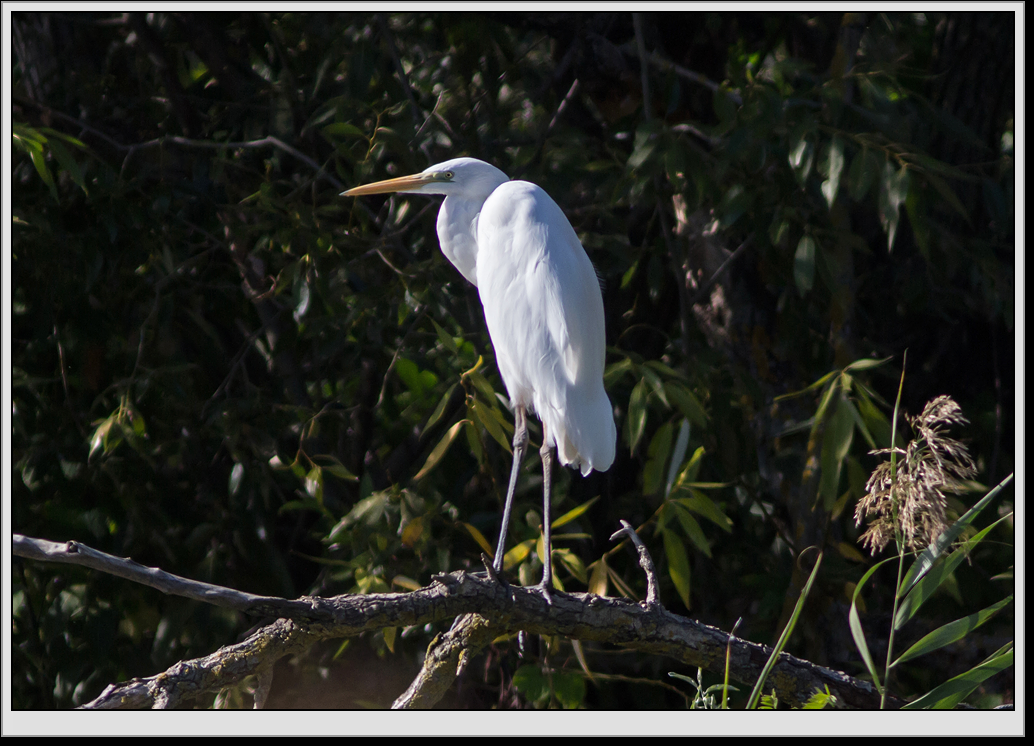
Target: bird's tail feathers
pixel 590 437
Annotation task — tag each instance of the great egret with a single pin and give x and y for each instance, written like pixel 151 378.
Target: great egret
pixel 544 311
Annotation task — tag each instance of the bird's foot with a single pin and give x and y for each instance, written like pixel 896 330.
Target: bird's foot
pixel 546 591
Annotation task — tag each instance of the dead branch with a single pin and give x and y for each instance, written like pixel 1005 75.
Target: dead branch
pixel 498 610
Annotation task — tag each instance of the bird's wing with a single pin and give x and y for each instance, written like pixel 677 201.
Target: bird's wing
pixel 545 316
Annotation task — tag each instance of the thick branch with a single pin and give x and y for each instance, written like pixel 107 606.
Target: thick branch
pixel 645 627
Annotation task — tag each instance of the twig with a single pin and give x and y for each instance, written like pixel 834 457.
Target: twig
pixel 264 142
pixel 695 77
pixel 704 289
pixel 129 150
pixel 653 596
pixel 640 45
pixel 64 382
pixel 237 360
pixel 540 144
pixel 414 109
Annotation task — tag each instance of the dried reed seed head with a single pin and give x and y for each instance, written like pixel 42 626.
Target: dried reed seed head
pixel 931 465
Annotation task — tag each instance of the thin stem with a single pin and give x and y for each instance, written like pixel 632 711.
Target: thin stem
pixel 897 532
pixel 893 616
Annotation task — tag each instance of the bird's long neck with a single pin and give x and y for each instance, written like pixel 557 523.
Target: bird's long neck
pixel 457 233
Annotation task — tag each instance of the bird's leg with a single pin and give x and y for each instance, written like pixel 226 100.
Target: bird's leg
pixel 520 441
pixel 546 452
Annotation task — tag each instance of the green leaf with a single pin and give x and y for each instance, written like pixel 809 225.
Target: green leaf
pixel 574 513
pixel 855 623
pixel 369 510
pixel 656 385
pixel 735 202
pixel 724 106
pixel 68 163
pixel 481 384
pixel 636 422
pixel 480 539
pixel 692 528
pixel 804 264
pixel 678 564
pixel 836 442
pixel 893 192
pixel 343 129
pixel 947 194
pixel 929 555
pixel 572 562
pixel 491 420
pixel 474 440
pixel 332 465
pixel 100 435
pixel 569 688
pixel 686 402
pixel 409 373
pixel 690 471
pixel 866 363
pixel 938 574
pixel 440 409
pixel 314 483
pixel 801 157
pixel 917 210
pixel 820 700
pixel 835 168
pixel 657 458
pixel 952 632
pixel 40 162
pixel 865 168
pixel 784 637
pixel 236 474
pixel 440 450
pixel 531 683
pixel 445 338
pixel 647 138
pixel 702 505
pixel 613 373
pixel 677 455
pixel 949 694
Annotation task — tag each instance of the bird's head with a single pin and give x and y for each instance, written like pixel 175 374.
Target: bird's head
pixel 465 177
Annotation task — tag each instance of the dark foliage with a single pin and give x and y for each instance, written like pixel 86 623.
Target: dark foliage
pixel 222 368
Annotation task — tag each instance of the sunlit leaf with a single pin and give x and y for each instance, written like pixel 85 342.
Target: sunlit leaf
pixel 657 459
pixel 574 513
pixel 678 564
pixel 952 632
pixel 835 159
pixel 804 264
pixel 492 422
pixel 636 421
pixel 949 694
pixel 686 402
pixel 836 443
pixel 236 474
pixel 692 528
pixel 892 194
pixel 479 538
pixel 440 450
pixel 598 578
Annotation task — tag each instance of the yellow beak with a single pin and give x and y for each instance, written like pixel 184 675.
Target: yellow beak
pixel 400 184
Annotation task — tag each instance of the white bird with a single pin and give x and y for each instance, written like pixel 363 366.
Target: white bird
pixel 544 310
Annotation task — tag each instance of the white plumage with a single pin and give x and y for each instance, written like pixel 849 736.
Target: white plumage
pixel 543 306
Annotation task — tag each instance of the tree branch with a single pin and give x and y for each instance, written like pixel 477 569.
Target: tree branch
pixel 503 609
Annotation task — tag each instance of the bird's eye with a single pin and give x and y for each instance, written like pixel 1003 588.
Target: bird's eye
pixel 448 174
